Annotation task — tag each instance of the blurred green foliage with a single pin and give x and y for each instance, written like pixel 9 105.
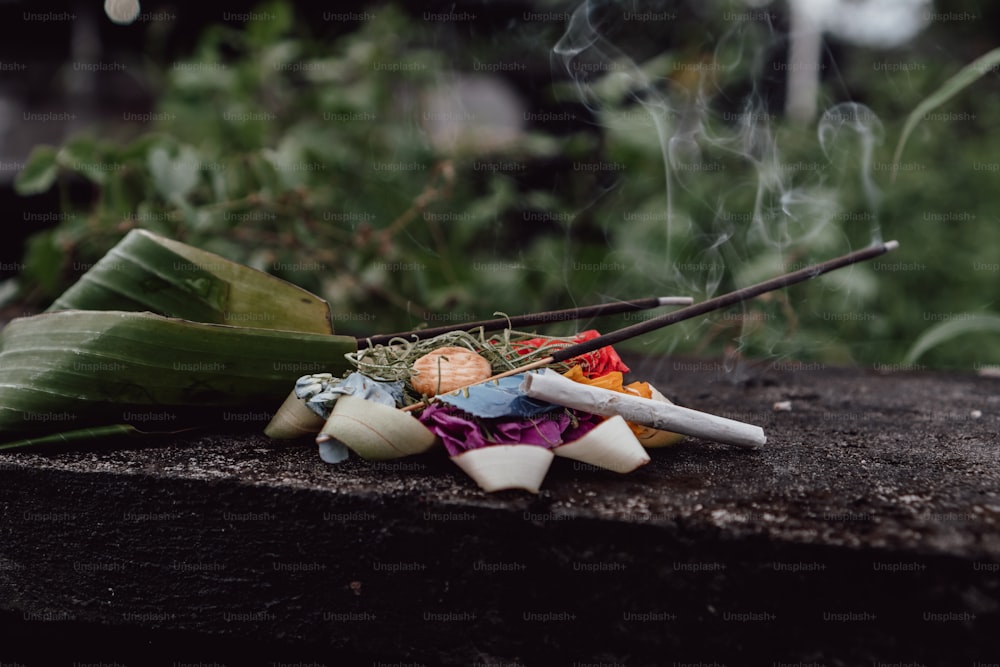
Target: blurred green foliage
pixel 310 159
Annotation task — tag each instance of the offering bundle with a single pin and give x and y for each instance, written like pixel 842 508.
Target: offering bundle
pixel 161 328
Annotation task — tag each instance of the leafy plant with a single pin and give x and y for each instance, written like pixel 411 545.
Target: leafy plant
pixel 270 145
pixel 958 325
pixel 967 76
pixel 299 159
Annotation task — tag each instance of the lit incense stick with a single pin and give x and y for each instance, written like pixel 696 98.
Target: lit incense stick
pixel 544 317
pixel 717 303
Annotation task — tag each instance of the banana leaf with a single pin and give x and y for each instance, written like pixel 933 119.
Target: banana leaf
pixel 161 335
pixel 72 369
pixel 83 434
pixel 146 272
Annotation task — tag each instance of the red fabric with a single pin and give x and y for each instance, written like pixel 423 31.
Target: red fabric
pixel 595 364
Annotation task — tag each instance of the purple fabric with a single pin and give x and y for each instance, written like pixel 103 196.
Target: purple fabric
pixel 460 432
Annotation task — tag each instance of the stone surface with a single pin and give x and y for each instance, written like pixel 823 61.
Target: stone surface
pixel 865 532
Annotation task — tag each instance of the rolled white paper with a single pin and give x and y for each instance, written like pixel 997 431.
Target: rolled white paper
pixel 550 386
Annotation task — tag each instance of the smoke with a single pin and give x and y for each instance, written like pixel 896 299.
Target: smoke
pixel 853 130
pixel 733 197
pixel 603 74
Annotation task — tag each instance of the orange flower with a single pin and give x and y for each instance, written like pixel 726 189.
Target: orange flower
pixel 613 381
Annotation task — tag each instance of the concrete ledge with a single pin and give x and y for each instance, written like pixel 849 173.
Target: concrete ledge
pixel 865 532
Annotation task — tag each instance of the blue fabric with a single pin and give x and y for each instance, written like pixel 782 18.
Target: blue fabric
pixel 497 398
pixel 333 451
pixel 321 391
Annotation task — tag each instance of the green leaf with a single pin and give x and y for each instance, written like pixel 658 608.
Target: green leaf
pixel 101 433
pixel 39 173
pixel 265 173
pixel 83 434
pixel 277 56
pixel 139 148
pixel 82 156
pixel 944 332
pixel 268 23
pixel 43 262
pixel 289 162
pixel 77 369
pixel 146 272
pixel 174 176
pixel 956 84
pixel 202 77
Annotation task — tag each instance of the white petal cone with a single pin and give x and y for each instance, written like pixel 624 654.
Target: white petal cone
pixel 293 420
pixel 500 467
pixel 375 431
pixel 611 445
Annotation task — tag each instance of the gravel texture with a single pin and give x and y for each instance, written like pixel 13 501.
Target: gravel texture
pixel 864 532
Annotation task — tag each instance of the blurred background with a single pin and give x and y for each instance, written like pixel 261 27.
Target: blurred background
pixel 436 162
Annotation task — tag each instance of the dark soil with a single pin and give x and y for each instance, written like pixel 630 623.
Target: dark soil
pixel 864 532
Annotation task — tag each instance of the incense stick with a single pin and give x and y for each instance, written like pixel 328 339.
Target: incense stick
pixel 719 302
pixel 544 317
pixel 723 301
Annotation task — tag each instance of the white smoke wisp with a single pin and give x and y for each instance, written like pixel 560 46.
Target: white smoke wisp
pixel 853 130
pixel 604 76
pixel 736 198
